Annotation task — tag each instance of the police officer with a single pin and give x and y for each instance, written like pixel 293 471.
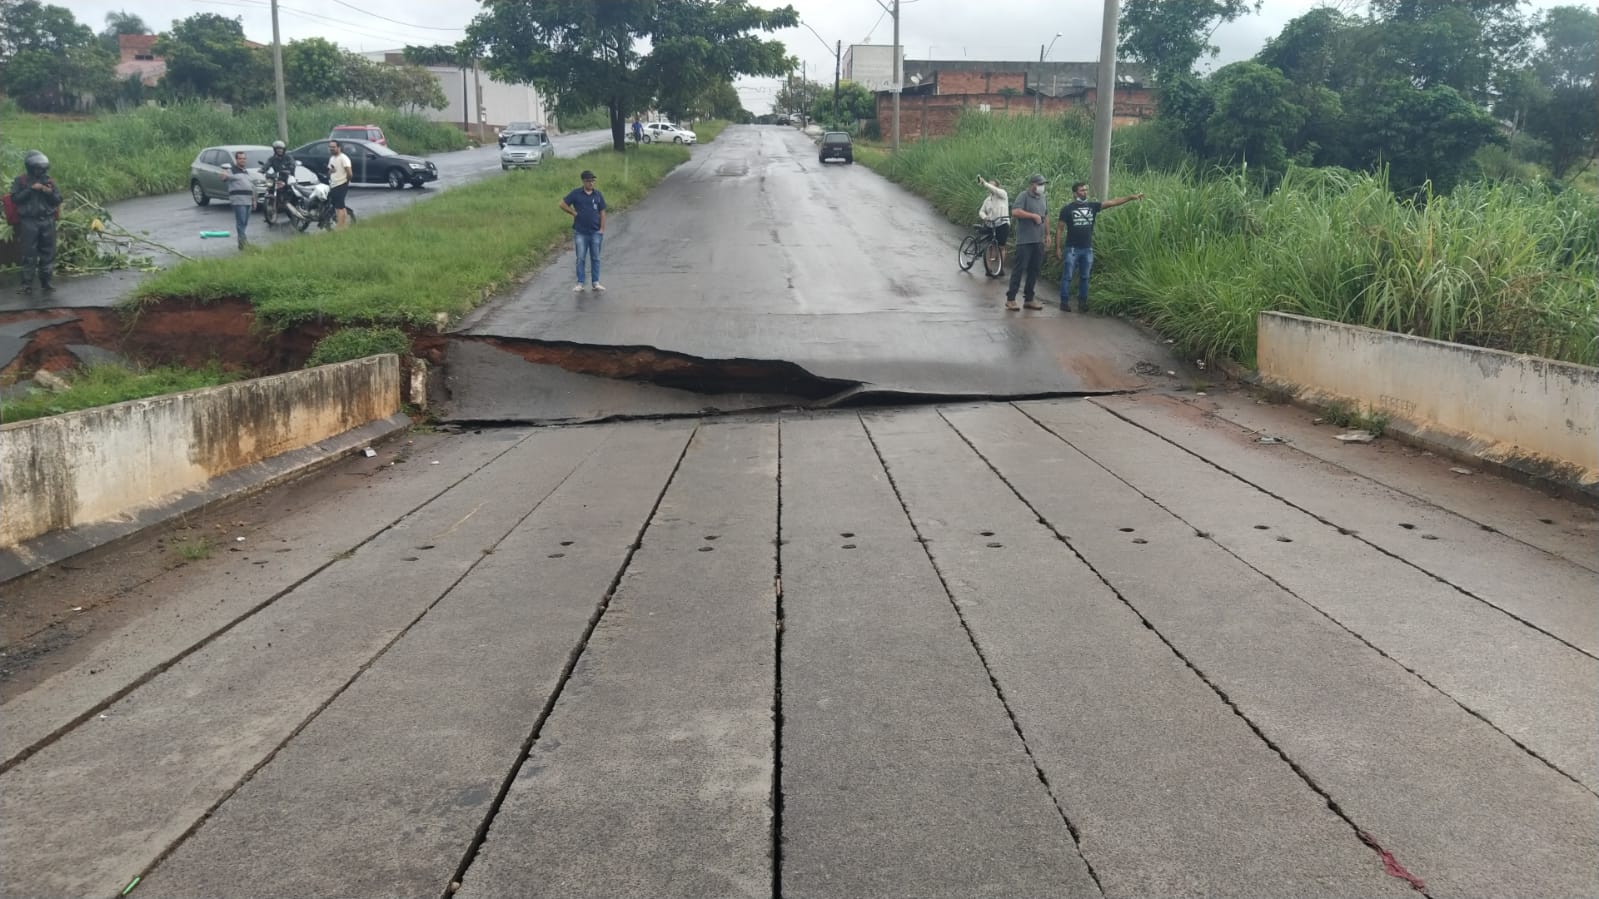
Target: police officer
pixel 37 200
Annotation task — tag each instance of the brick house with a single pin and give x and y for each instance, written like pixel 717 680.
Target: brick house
pixel 136 58
pixel 938 91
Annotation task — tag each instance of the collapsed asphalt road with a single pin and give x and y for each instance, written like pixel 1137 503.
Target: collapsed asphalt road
pixel 173 220
pixel 752 253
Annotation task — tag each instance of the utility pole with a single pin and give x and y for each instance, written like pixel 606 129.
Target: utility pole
pixel 1105 100
pixel 838 62
pixel 899 76
pixel 277 77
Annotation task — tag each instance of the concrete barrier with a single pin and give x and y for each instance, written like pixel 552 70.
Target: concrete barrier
pixel 113 462
pixel 1530 415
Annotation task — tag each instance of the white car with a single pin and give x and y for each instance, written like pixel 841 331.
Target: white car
pixel 667 133
pixel 525 148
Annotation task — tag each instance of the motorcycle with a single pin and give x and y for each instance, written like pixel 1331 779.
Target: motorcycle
pixel 277 198
pixel 307 202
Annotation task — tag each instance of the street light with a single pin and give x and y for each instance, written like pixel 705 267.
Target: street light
pixel 1043 52
pixel 838 59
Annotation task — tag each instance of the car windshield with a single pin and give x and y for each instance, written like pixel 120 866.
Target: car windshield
pixel 527 139
pixel 835 137
pixel 379 149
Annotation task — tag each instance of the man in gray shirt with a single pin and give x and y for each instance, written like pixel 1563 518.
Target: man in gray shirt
pixel 1032 236
pixel 241 193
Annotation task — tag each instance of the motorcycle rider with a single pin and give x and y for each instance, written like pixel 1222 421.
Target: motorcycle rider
pixel 279 167
pixel 37 200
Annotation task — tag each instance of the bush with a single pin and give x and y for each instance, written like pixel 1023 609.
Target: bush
pixel 358 343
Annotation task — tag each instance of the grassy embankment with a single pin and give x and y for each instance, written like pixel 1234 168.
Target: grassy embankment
pixel 120 155
pixel 102 385
pixel 1495 265
pixel 443 256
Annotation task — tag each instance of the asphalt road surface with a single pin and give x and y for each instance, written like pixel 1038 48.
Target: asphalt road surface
pixel 175 221
pixel 755 250
pixel 1076 647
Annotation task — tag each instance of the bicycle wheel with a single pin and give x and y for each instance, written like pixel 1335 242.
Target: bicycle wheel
pixel 969 251
pixel 994 260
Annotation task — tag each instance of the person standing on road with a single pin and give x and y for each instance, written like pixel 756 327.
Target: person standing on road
pixel 38 202
pixel 339 170
pixel 241 193
pixel 638 131
pixel 586 206
pixel 1032 238
pixel 1075 232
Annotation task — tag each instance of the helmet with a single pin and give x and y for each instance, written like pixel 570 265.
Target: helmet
pixel 37 163
pixel 279 145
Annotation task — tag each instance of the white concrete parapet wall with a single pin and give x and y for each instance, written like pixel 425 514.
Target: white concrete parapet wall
pixel 1536 415
pixel 99 464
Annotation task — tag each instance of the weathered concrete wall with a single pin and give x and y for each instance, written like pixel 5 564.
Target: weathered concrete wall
pixel 98 464
pixel 1536 415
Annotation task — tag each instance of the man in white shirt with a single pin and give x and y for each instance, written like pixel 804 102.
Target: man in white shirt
pixel 339 169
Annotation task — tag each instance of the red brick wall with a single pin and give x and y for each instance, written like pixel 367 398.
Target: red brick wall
pixel 933 115
pixel 980 82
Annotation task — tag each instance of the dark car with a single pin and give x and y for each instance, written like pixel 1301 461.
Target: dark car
pixel 370 163
pixel 837 145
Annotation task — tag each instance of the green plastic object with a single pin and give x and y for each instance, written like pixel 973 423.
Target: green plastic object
pixel 216 233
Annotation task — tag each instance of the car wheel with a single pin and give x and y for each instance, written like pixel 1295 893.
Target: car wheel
pixel 198 193
pixel 849 160
pixel 504 167
pixel 396 179
pixel 677 140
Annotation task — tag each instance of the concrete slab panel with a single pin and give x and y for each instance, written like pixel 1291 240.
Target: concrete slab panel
pixel 444 714
pixel 88 812
pixel 1536 689
pixel 1170 791
pixel 903 774
pixel 1456 803
pixel 653 775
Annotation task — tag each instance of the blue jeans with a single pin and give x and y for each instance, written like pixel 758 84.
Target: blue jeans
pixel 241 219
pixel 1078 260
pixel 588 247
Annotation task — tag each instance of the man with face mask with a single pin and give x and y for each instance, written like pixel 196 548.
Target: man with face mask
pixel 1032 236
pixel 37 200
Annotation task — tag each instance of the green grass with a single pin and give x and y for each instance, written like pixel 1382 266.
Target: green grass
pixel 105 384
pixel 358 343
pixel 706 131
pixel 1507 266
pixel 441 257
pixel 120 155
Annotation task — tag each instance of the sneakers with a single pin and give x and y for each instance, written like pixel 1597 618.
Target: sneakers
pixel 1032 304
pixel 1010 305
pixel 47 287
pixel 598 287
pixel 578 288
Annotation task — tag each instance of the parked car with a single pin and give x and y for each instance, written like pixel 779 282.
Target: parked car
pixel 209 171
pixel 372 163
pixel 517 128
pixel 667 133
pixel 369 133
pixel 837 145
pixel 526 148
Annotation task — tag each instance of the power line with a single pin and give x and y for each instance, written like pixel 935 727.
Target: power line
pixel 406 24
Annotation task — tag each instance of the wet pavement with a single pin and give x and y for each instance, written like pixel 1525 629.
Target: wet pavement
pixel 1106 646
pixel 173 220
pixel 753 250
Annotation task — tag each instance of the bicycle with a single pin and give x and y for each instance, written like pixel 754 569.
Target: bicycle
pixel 983 242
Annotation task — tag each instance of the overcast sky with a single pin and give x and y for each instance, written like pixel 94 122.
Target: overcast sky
pixel 938 29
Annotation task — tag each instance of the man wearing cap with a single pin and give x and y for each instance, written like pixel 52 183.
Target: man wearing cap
pixel 586 206
pixel 1032 235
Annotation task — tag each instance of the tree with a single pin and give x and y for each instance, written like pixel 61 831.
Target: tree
pixel 118 24
pixel 314 69
pixel 1557 100
pixel 207 57
pixel 586 53
pixel 1255 119
pixel 797 96
pixel 1171 35
pixel 1421 135
pixel 855 102
pixel 49 62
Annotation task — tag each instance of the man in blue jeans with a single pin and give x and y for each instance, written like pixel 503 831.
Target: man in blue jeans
pixel 1077 244
pixel 586 206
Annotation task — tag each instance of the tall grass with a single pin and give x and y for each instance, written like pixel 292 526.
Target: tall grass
pixel 1508 266
pixel 444 256
pixel 147 151
pixel 107 383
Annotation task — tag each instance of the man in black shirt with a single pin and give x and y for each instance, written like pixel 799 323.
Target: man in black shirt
pixel 1077 242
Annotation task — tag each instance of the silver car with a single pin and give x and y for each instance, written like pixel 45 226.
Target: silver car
pixel 209 171
pixel 526 148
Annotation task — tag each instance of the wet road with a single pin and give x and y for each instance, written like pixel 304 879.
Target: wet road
pixel 754 250
pixel 175 221
pixel 1105 647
